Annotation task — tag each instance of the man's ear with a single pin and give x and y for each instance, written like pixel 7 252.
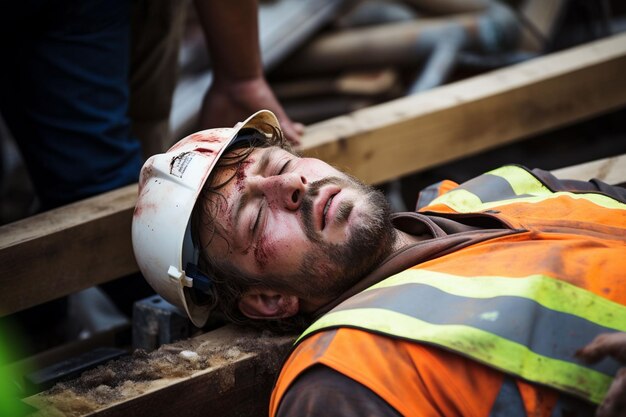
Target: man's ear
pixel 262 303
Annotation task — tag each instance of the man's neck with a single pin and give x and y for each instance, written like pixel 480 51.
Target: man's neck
pixel 404 239
pixel 401 241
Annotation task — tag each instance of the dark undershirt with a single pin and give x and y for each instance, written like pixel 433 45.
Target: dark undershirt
pixel 323 392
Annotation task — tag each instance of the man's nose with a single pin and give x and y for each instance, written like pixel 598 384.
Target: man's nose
pixel 287 190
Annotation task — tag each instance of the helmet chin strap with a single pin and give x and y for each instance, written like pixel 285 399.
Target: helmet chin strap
pixel 191 255
pixel 201 282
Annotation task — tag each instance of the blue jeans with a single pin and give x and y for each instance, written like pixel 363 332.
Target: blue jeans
pixel 64 95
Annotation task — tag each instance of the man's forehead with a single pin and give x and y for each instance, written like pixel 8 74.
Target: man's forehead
pixel 266 156
pixel 231 177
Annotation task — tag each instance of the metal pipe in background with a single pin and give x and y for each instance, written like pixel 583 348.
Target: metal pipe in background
pixel 497 27
pixel 436 71
pixel 315 109
pixel 483 62
pixel 441 62
pixel 375 12
pixel 449 6
pixel 404 43
pixel 373 83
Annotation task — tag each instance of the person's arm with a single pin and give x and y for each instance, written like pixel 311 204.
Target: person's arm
pixel 239 87
pixel 612 344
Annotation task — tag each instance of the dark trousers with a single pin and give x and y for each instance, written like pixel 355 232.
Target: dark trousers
pixel 64 95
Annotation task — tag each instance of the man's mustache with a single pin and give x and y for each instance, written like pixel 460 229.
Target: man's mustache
pixel 306 207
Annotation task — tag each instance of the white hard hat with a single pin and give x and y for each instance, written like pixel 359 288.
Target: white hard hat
pixel 169 185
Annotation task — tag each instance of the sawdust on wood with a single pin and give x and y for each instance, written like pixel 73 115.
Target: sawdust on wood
pixel 135 374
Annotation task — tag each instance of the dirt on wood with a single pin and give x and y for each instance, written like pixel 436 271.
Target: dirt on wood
pixel 142 371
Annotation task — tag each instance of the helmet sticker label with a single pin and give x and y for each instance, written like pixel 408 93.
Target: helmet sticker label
pixel 179 164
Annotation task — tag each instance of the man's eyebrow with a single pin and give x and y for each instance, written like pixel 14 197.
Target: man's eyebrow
pixel 265 159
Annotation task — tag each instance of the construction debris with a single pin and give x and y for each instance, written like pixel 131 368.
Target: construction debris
pixel 216 363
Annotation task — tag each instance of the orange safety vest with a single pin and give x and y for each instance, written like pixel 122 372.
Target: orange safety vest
pixel 576 238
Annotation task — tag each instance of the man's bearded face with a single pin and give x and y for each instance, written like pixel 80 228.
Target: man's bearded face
pixel 297 224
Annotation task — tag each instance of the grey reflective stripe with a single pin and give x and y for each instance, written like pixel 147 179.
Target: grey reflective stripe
pixel 511 184
pixel 322 344
pixel 525 326
pixel 509 402
pixel 550 333
pixel 427 195
pixel 490 188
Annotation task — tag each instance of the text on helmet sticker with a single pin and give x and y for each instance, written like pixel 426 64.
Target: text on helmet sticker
pixel 179 164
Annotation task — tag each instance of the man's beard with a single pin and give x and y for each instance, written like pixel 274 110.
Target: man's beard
pixel 331 269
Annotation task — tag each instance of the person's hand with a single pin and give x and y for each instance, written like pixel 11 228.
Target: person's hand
pixel 609 344
pixel 227 103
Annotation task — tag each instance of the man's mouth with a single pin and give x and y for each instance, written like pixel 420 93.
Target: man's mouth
pixel 321 202
pixel 324 208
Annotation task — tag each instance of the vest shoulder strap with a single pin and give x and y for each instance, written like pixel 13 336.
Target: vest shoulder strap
pixel 528 327
pixel 507 185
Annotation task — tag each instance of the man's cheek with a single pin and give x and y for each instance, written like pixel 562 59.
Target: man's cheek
pixel 264 253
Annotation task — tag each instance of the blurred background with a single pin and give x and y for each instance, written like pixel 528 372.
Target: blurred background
pixel 326 58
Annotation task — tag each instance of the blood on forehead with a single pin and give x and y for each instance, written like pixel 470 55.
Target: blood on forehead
pixel 240 174
pixel 217 200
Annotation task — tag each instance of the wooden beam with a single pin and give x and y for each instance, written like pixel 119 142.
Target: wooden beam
pixel 610 170
pixel 232 375
pixel 87 243
pixel 410 134
pixel 66 250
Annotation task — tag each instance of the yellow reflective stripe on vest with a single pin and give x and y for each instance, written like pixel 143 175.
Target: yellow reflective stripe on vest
pixel 523 188
pixel 463 201
pixel 522 181
pixel 513 358
pixel 530 327
pixel 551 293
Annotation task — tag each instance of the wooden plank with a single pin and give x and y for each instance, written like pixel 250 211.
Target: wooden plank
pixel 66 250
pixel 393 139
pixel 87 243
pixel 610 170
pixel 232 376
